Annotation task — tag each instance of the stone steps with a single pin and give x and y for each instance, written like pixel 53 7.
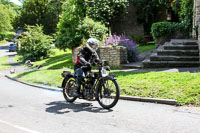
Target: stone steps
pixel 173 58
pixel 181 47
pixel 183 42
pixel 166 64
pixel 176 53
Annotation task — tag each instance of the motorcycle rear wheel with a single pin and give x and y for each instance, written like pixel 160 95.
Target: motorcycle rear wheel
pixel 69 84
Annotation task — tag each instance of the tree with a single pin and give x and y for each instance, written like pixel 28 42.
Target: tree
pixel 56 6
pixel 106 11
pixel 41 12
pixel 5 20
pixel 68 33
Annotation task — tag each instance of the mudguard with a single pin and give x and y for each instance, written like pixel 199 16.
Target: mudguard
pixel 67 75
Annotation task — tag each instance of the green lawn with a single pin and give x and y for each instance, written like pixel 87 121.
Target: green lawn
pixel 61 59
pixel 143 48
pixel 4 63
pixel 183 87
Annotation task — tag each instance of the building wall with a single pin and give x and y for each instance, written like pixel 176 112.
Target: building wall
pixel 128 24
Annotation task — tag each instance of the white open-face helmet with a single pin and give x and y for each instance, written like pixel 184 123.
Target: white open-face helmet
pixel 92 44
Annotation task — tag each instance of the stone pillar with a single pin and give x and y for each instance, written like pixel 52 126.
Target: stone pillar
pixel 197 9
pixel 194 20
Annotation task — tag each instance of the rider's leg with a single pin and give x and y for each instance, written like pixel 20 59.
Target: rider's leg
pixel 79 80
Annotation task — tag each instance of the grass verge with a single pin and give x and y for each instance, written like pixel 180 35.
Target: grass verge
pixel 4 63
pixel 143 48
pixel 60 59
pixel 183 87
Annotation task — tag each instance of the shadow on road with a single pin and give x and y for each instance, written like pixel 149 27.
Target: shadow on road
pixel 61 107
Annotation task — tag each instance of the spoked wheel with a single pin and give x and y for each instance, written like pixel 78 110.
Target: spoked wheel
pixel 69 89
pixel 108 94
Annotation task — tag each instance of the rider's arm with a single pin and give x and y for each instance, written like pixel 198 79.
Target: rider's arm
pixel 96 59
pixel 81 57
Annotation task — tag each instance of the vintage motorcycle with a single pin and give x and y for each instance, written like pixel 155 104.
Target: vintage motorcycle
pixel 101 86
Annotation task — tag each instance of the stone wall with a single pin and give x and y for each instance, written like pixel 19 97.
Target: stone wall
pixel 114 55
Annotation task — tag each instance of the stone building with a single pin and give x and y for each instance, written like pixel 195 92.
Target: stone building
pixel 129 24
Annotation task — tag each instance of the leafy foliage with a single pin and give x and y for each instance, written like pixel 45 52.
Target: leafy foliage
pixel 4 19
pixel 8 11
pixel 41 12
pixel 34 44
pixel 186 13
pixel 148 12
pixel 106 10
pixel 7 36
pixel 68 34
pixel 7 14
pixel 74 27
pixel 166 28
pixel 91 29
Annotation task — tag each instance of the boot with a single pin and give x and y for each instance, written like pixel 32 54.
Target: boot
pixel 77 92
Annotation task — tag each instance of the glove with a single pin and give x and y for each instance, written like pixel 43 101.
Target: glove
pixel 99 62
pixel 88 64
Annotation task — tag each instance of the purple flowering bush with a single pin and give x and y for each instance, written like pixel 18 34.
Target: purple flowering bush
pixel 123 40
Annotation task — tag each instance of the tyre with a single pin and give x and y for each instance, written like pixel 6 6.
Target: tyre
pixel 68 90
pixel 108 94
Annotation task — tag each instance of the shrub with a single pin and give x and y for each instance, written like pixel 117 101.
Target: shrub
pixel 160 29
pixel 35 45
pixel 93 29
pixel 123 40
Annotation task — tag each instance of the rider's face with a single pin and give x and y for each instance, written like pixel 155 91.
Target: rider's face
pixel 94 46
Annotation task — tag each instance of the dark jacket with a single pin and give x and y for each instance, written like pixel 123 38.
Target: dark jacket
pixel 84 57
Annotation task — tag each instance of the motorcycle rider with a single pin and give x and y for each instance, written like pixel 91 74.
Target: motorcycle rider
pixel 86 57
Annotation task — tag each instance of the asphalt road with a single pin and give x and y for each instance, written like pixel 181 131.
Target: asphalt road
pixel 4 50
pixel 25 109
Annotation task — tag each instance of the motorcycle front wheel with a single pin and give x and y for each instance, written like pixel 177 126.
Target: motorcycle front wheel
pixel 108 93
pixel 68 90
